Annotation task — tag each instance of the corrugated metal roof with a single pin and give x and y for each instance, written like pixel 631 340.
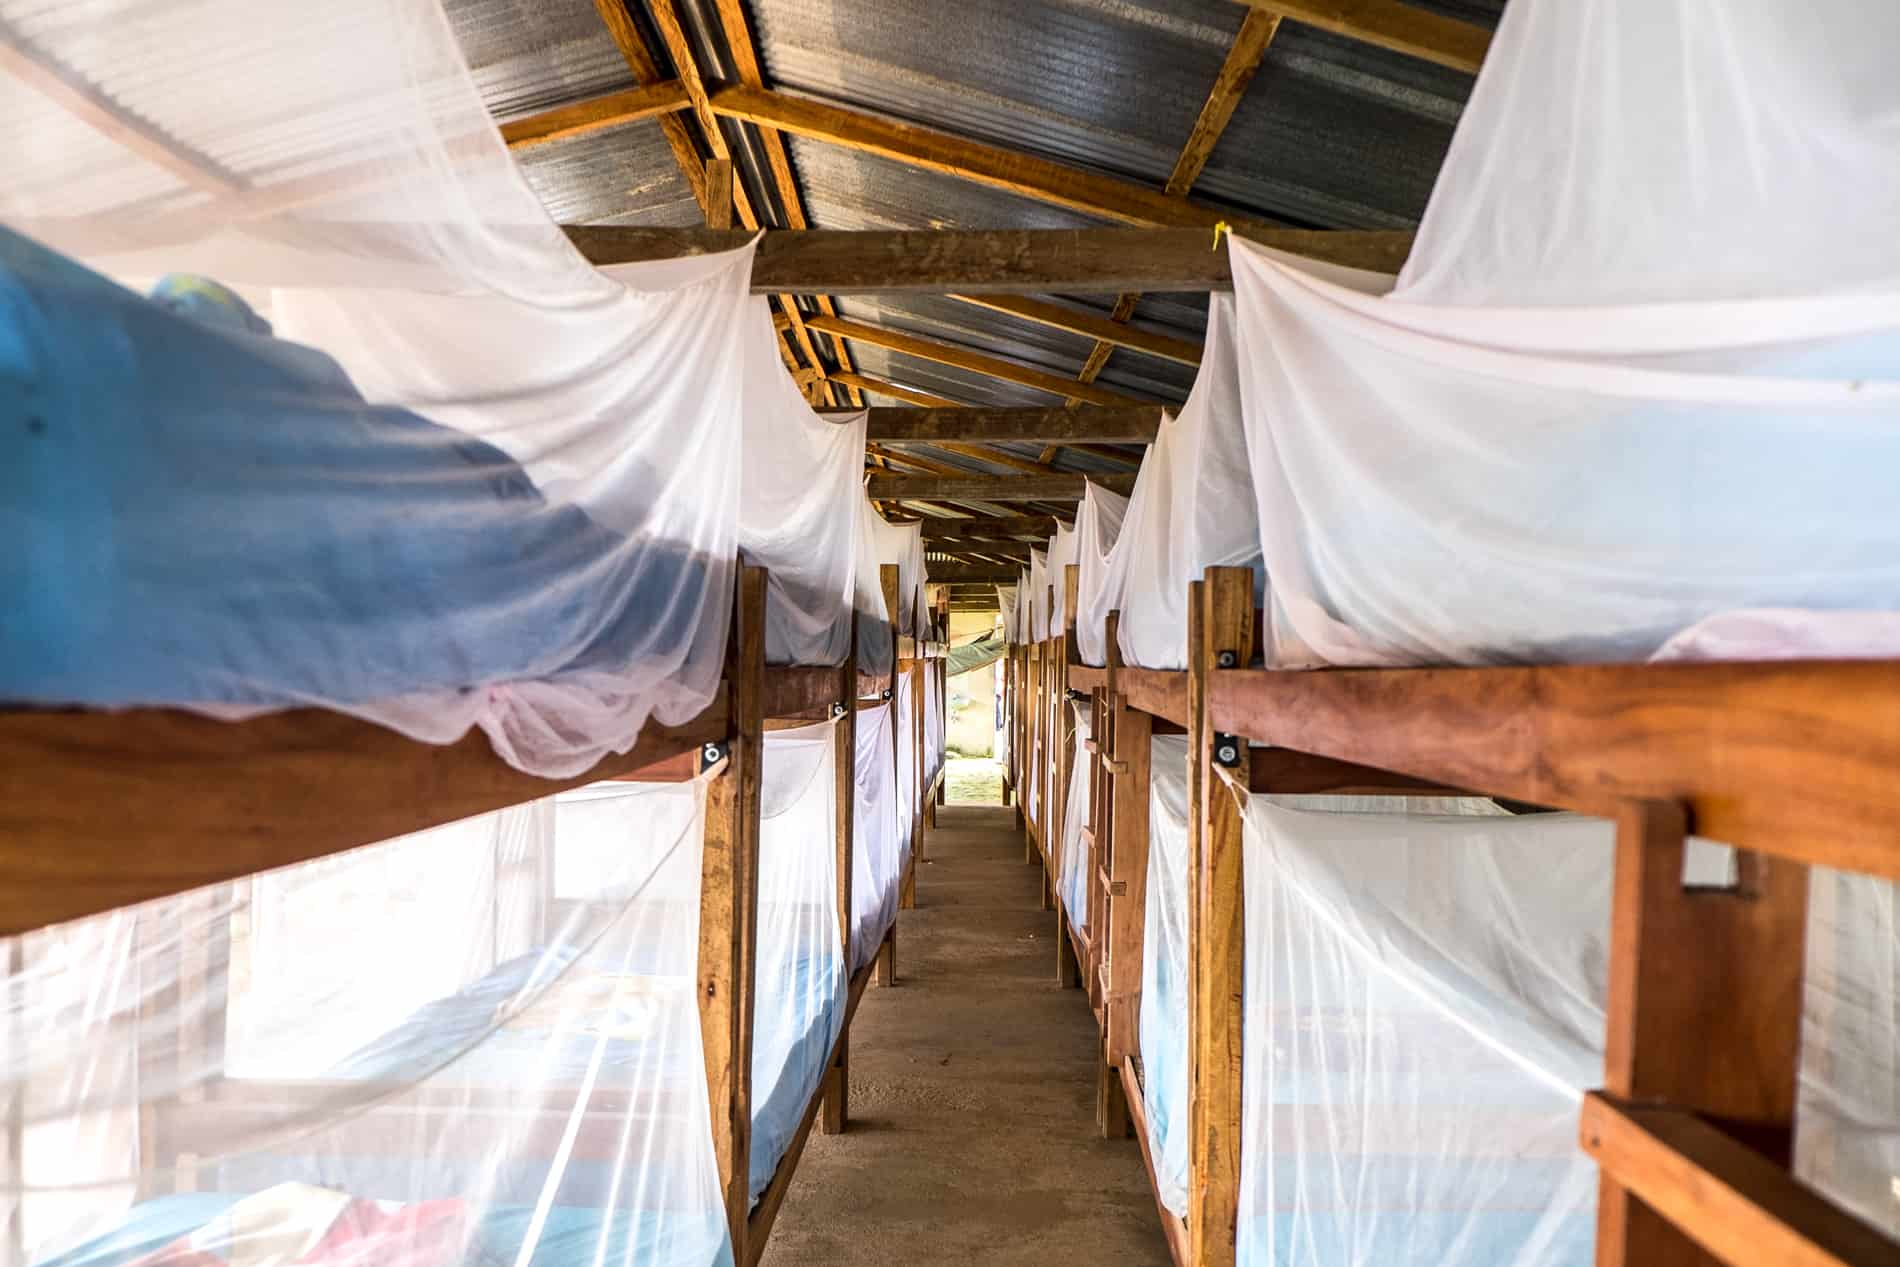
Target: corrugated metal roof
pixel 624 175
pixel 532 56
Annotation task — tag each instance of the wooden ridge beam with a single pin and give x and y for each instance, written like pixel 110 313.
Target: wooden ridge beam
pixel 989 488
pixel 595 114
pixel 987 261
pixel 1113 424
pixel 1390 24
pixel 966 359
pixel 965 573
pixel 1079 321
pixel 1025 175
pixel 1038 526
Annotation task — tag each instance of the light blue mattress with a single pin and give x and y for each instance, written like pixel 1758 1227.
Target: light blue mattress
pixel 570 1237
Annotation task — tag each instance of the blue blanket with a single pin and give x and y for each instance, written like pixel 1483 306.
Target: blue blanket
pixel 197 512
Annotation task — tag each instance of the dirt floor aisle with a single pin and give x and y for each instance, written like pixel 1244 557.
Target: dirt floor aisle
pixel 972 1138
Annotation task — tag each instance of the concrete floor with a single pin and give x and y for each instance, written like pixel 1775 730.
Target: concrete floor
pixel 972 1138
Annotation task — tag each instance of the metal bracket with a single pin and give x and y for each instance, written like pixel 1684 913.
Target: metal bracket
pixel 1227 750
pixel 837 708
pixel 1076 697
pixel 885 693
pixel 711 754
pixel 1226 659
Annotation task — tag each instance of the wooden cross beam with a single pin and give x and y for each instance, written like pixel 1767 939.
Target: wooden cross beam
pixel 1389 24
pixel 962 573
pixel 988 261
pixel 1100 424
pixel 596 114
pixel 989 488
pixel 969 359
pixel 1038 526
pixel 977 545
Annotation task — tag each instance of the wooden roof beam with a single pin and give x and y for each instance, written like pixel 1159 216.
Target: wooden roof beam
pixel 1025 175
pixel 1107 424
pixel 1038 526
pixel 1080 321
pixel 988 261
pixel 990 488
pixel 596 114
pixel 1389 24
pixel 960 573
pixel 895 392
pixel 966 359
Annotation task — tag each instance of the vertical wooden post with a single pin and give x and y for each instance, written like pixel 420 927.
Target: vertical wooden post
pixel 886 974
pixel 729 908
pixel 1224 639
pixel 1129 774
pixel 916 740
pixel 837 1085
pixel 719 193
pixel 1018 741
pixel 1704 1009
pixel 1032 751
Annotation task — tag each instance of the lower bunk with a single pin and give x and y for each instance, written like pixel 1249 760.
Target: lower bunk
pixel 484 1042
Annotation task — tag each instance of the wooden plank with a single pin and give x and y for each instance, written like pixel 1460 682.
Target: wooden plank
pixel 836 1090
pixel 864 382
pixel 633 50
pixel 1704 1009
pixel 1022 174
pixel 1111 424
pixel 804 691
pixel 719 206
pixel 758 1228
pixel 982 545
pixel 990 488
pixel 1739 1206
pixel 1215 942
pixel 1084 322
pixel 1236 72
pixel 1083 677
pixel 289 787
pixel 1157 692
pixel 1038 526
pixel 1400 27
pixel 1129 783
pixel 729 904
pixel 966 359
pixel 1794 758
pixel 595 114
pixel 1290 773
pixel 986 261
pixel 1172 1226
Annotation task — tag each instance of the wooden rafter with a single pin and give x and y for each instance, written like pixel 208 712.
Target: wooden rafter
pixel 895 392
pixel 745 59
pixel 680 48
pixel 1117 424
pixel 1038 526
pixel 596 114
pixel 1080 321
pixel 1042 179
pixel 1390 24
pixel 993 488
pixel 993 261
pixel 1236 72
pixel 975 362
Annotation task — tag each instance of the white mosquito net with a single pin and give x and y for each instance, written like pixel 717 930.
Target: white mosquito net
pixel 905 715
pixel 1038 620
pixel 1098 524
pixel 381 441
pixel 799 990
pixel 877 854
pixel 1640 370
pixel 478 1043
pixel 1191 509
pixel 1072 870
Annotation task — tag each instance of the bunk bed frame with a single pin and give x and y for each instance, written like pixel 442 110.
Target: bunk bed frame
pixel 1789 762
pixel 63 854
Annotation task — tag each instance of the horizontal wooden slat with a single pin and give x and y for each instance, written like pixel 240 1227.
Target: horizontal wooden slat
pixel 993 573
pixel 1158 692
pixel 1290 773
pixel 987 261
pixel 1402 28
pixel 990 488
pixel 864 382
pixel 610 110
pixel 1093 325
pixel 101 810
pixel 1109 424
pixel 1039 526
pixel 1726 1197
pixel 801 691
pixel 1084 677
pixel 968 359
pixel 1794 758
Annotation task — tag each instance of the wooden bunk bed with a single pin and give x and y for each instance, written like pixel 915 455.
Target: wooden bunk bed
pixel 1788 762
pixel 299 786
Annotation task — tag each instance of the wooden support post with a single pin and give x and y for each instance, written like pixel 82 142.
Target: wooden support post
pixel 1223 639
pixel 729 908
pixel 1704 1015
pixel 1018 690
pixel 1127 757
pixel 1068 970
pixel 719 193
pixel 887 958
pixel 918 709
pixel 837 1088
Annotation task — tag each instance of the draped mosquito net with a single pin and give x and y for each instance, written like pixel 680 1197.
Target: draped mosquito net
pixel 905 718
pixel 799 990
pixel 1072 870
pixel 877 856
pixel 1038 601
pixel 1191 510
pixel 1642 369
pixel 478 1043
pixel 381 441
pixel 1098 525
